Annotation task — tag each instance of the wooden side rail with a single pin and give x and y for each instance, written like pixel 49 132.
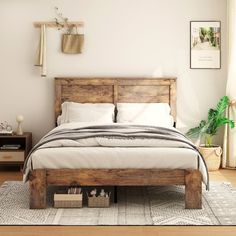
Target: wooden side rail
pixel 41 178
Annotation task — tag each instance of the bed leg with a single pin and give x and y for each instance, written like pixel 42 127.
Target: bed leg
pixel 38 188
pixel 193 189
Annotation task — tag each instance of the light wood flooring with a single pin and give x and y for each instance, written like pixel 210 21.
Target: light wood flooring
pixel 11 174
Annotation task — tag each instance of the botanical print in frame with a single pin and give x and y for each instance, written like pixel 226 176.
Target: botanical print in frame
pixel 205 45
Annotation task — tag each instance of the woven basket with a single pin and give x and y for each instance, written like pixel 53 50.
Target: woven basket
pixel 68 200
pixel 212 156
pixel 99 202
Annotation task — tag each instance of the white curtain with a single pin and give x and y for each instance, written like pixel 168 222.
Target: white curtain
pixel 229 150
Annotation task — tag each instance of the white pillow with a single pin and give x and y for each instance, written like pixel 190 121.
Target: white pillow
pixel 87 112
pixel 145 113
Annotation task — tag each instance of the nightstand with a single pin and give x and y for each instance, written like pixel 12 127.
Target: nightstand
pixel 15 156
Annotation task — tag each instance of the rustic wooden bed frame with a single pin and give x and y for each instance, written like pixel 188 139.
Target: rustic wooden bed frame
pixel 113 90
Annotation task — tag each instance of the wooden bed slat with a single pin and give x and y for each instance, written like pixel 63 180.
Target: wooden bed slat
pixel 118 177
pixel 144 93
pixel 88 93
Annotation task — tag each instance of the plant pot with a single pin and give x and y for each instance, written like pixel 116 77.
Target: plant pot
pixel 212 156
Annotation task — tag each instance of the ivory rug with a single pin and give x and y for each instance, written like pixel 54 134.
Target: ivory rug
pixel 136 206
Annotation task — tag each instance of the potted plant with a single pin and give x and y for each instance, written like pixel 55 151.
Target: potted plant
pixel 207 129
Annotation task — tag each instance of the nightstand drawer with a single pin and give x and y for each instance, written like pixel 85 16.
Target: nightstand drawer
pixel 11 156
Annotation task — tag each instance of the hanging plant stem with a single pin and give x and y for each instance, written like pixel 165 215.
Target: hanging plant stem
pixel 62 22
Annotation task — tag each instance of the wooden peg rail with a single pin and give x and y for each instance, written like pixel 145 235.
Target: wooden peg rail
pixel 53 24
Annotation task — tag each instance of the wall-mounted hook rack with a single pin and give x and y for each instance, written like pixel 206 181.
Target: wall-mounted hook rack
pixel 53 24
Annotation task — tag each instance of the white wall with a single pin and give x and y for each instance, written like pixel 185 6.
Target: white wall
pixel 122 38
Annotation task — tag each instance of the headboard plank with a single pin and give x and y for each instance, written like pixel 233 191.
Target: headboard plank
pixel 113 90
pixel 88 93
pixel 143 93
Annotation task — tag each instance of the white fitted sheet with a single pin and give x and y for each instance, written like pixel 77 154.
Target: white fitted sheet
pixel 114 157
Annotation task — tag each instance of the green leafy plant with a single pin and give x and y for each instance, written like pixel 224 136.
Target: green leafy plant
pixel 216 118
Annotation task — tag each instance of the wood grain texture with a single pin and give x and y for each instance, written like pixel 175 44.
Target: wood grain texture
pixel 38 189
pixel 193 189
pixel 28 144
pixel 14 174
pixel 118 230
pixel 24 140
pixel 53 24
pixel 173 96
pixel 40 179
pixel 113 90
pixel 143 93
pixel 117 177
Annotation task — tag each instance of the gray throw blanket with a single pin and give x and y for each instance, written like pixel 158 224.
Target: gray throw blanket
pixel 117 132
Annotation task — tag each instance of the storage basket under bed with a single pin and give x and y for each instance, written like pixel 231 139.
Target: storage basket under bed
pixel 68 200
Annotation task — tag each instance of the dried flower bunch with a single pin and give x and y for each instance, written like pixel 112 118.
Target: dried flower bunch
pixel 62 22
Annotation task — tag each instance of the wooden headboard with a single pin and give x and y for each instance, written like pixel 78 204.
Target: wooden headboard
pixel 113 90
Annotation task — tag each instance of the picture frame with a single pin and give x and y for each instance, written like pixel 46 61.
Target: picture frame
pixel 205 45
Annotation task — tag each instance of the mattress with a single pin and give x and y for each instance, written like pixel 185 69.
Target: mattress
pixel 114 158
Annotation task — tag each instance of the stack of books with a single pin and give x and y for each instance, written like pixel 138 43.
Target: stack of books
pixel 10 146
pixel 5 132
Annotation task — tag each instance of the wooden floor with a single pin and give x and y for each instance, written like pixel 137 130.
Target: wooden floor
pixel 222 175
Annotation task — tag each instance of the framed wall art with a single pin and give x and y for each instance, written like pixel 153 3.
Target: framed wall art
pixel 205 45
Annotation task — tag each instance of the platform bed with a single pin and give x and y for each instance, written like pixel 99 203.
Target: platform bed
pixel 113 90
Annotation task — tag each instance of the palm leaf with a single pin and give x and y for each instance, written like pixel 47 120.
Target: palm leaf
pixel 212 114
pixel 196 131
pixel 222 105
pixel 216 119
pixel 224 121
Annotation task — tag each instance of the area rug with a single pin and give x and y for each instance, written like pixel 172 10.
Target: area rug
pixel 136 206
